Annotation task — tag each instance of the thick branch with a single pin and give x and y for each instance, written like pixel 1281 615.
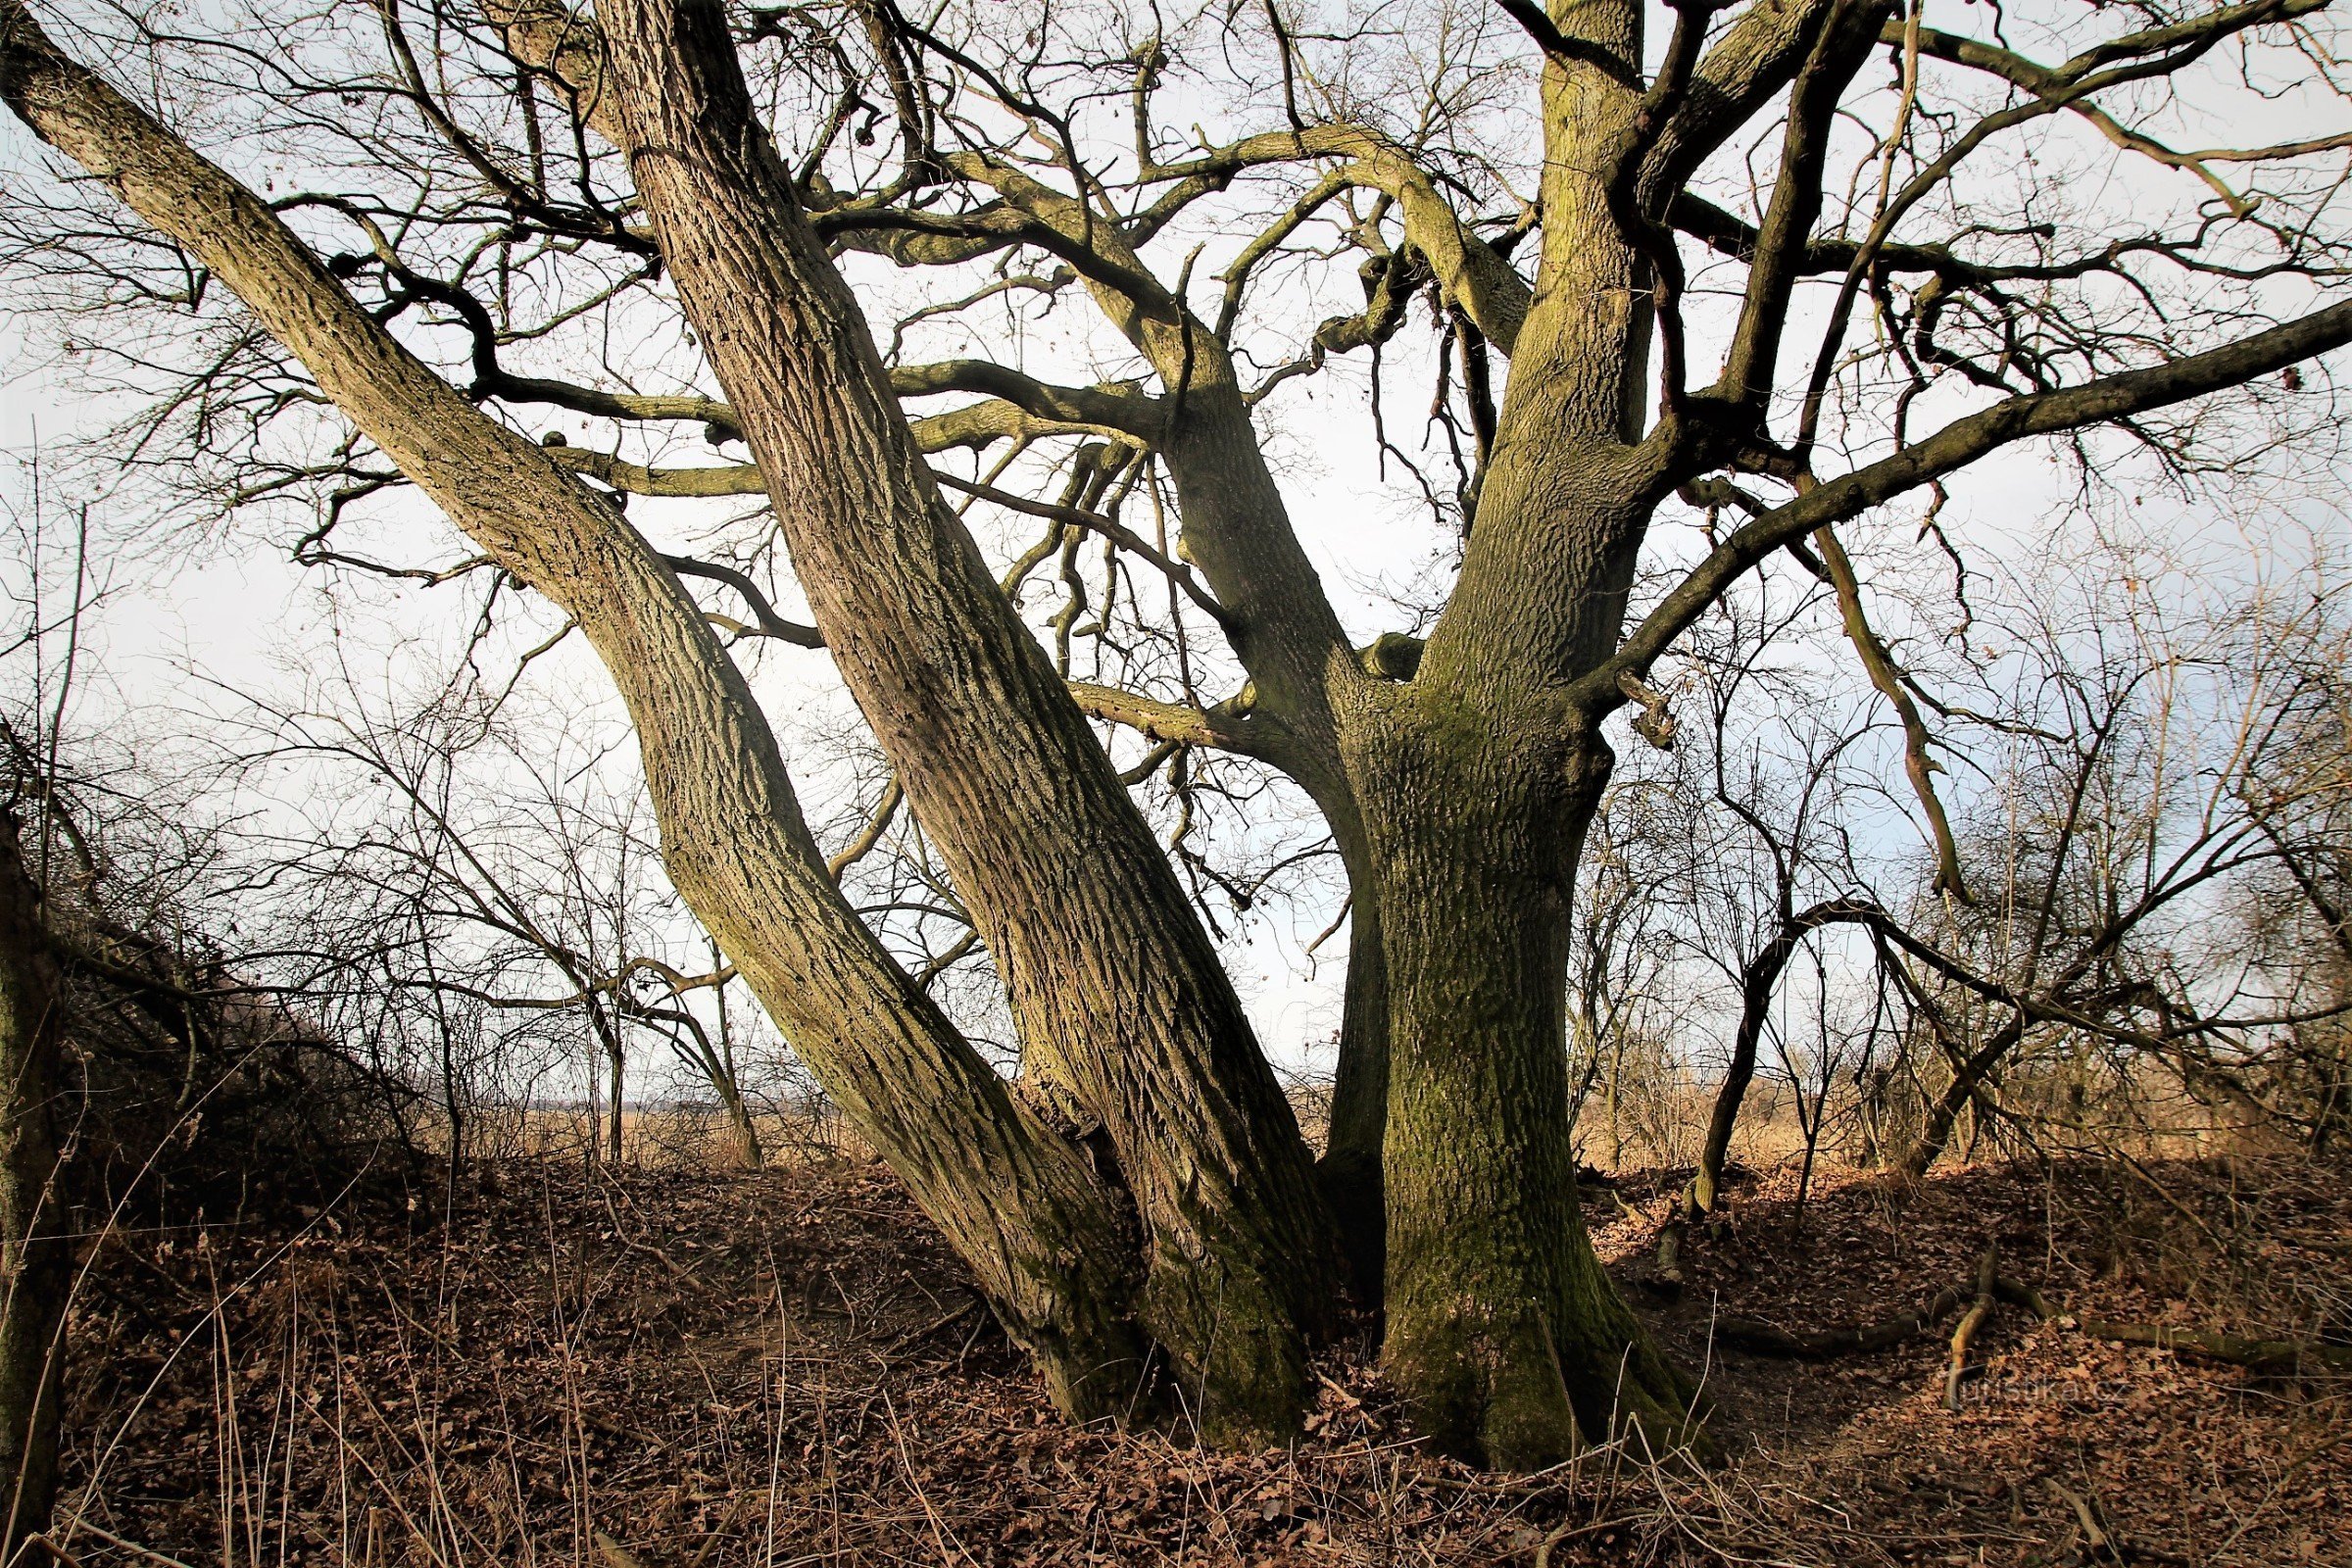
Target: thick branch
pixel 1757 57
pixel 1225 726
pixel 1010 1192
pixel 715 479
pixel 1235 527
pixel 764 617
pixel 1538 24
pixel 1470 273
pixel 1918 765
pixel 1954 447
pixel 1782 240
pixel 1122 407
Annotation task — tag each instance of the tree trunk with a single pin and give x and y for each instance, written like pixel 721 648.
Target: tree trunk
pixel 1050 1242
pixel 1478 781
pixel 741 1130
pixel 1122 1005
pixel 1350 1171
pixel 1758 983
pixel 1503 1327
pixel 35 1257
pixel 1968 1078
pixel 614 1089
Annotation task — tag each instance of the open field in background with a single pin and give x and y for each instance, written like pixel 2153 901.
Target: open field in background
pixel 666 1366
pixel 1650 1125
pixel 1866 608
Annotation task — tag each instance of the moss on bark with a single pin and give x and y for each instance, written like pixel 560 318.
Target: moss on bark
pixel 1503 1327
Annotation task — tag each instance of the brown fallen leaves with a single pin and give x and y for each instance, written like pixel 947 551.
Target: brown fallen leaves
pixel 673 1369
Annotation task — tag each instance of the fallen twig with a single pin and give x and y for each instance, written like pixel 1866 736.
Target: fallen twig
pixel 131 1547
pixel 1568 1533
pixel 615 1553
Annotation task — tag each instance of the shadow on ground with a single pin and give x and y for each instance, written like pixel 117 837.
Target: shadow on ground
pixel 675 1370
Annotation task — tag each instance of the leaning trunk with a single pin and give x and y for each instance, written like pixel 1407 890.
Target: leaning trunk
pixel 1501 1325
pixel 1762 974
pixel 35 1261
pixel 1968 1079
pixel 1120 1002
pixel 1048 1239
pixel 1758 983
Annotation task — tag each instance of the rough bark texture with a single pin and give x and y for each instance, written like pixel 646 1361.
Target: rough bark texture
pixel 1457 786
pixel 742 1131
pixel 1501 1321
pixel 1047 1239
pixel 1502 1324
pixel 35 1257
pixel 1351 1170
pixel 1117 991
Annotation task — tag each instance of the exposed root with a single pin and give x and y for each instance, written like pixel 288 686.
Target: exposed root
pixel 2291 1356
pixel 1969 1322
pixel 1764 1339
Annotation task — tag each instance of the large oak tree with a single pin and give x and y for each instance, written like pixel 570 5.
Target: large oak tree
pixel 1783 262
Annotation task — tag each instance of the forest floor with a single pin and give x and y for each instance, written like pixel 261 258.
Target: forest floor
pixel 697 1370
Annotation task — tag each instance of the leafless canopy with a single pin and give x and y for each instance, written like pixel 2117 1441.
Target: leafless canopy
pixel 965 304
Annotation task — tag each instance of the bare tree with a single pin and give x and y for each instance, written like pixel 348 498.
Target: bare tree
pixel 445 868
pixel 1748 269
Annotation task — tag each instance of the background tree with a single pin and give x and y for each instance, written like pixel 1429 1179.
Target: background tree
pixel 35 1256
pixel 467 874
pixel 1740 269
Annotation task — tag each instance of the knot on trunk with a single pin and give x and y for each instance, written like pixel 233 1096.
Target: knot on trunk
pixel 1653 724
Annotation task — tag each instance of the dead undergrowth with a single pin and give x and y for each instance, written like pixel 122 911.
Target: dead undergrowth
pixel 683 1370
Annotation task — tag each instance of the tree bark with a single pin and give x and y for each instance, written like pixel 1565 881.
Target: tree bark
pixel 1120 1001
pixel 1503 1327
pixel 1480 780
pixel 1050 1242
pixel 1968 1079
pixel 616 1088
pixel 1350 1170
pixel 741 1129
pixel 35 1256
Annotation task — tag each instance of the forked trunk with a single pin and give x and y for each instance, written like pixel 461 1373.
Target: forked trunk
pixel 1503 1327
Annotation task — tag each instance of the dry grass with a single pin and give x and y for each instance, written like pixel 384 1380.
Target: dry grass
pixel 711 1371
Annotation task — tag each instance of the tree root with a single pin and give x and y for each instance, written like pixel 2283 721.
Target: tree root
pixel 2025 1295
pixel 1764 1339
pixel 2291 1356
pixel 1971 1321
